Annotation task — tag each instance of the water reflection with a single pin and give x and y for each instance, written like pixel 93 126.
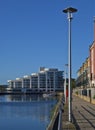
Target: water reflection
pixel 33 110
pixel 21 98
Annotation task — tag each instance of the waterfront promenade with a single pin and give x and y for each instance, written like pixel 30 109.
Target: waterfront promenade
pixel 83 113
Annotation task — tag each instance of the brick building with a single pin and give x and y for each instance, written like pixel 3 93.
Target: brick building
pixel 92 60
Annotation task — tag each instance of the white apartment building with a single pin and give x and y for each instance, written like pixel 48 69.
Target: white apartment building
pixel 47 79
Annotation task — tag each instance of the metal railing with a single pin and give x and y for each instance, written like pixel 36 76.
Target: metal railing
pixel 56 121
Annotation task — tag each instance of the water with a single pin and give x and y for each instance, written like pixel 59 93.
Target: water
pixel 24 112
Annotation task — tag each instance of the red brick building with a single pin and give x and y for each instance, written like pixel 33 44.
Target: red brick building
pixel 92 60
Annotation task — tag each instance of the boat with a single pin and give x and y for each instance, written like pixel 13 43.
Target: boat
pixel 45 95
pixel 49 93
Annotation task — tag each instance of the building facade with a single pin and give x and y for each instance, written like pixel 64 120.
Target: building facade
pixel 83 75
pixel 85 81
pixel 47 79
pixel 92 63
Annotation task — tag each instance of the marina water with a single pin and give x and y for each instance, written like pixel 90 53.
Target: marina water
pixel 25 112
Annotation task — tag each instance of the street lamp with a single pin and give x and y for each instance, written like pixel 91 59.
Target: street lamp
pixel 69 11
pixel 65 84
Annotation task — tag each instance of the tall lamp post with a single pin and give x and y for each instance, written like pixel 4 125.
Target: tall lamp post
pixel 65 85
pixel 69 11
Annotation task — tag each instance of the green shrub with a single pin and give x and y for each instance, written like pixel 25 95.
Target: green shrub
pixel 76 92
pixel 94 97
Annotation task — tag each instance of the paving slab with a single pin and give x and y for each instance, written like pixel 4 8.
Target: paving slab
pixel 66 125
pixel 84 114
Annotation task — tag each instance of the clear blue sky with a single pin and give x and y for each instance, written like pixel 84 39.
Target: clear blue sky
pixel 34 33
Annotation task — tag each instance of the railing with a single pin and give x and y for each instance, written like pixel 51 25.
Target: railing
pixel 56 121
pixel 60 120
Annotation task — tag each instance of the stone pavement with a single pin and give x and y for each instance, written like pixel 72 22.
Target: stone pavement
pixel 84 114
pixel 66 125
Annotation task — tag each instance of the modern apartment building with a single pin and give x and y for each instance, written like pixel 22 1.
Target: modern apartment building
pixel 47 79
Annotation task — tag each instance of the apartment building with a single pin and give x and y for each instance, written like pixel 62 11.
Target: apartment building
pixel 92 63
pixel 83 74
pixel 86 74
pixel 47 79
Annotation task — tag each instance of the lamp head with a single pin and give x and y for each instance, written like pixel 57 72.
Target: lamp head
pixel 70 10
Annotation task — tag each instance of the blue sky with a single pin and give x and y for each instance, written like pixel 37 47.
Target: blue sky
pixel 34 33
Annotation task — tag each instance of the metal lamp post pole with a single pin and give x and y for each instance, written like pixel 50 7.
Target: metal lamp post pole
pixel 65 85
pixel 69 11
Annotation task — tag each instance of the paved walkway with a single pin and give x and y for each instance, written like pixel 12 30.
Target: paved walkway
pixel 84 114
pixel 66 125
